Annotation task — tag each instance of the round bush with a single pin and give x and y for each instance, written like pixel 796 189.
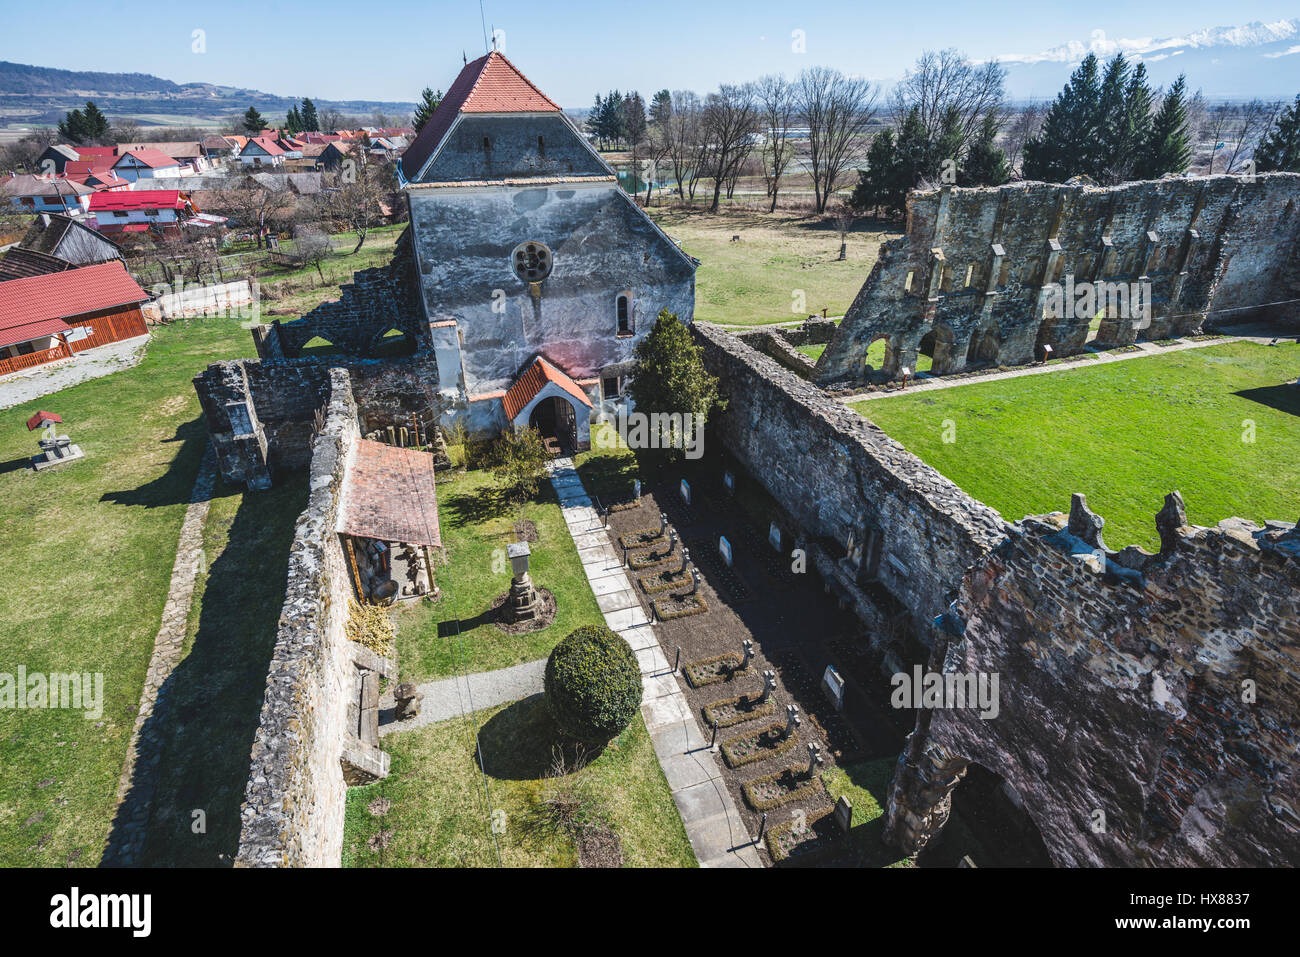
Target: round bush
pixel 593 685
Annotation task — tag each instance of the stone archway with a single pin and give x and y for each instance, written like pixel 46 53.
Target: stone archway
pixel 937 344
pixel 557 421
pixel 985 347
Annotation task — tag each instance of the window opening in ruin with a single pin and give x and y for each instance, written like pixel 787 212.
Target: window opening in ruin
pixel 970 274
pixel 624 309
pixel 541 147
pixel 907 284
pixel 532 261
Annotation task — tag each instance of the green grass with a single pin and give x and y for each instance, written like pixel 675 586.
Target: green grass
pixel 875 355
pixel 477 525
pixel 754 281
pixel 1125 434
pixel 442 811
pixel 866 785
pixel 88 551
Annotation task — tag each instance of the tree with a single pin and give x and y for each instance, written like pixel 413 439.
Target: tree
pixel 1022 128
pixel 986 164
pixel 1131 132
pixel 127 130
pixel 84 128
pixel 776 106
pixel 254 122
pixel 253 205
pixel 293 120
pixel 353 204
pixel 519 460
pixel 1168 148
pixel 728 125
pixel 634 121
pixel 1280 150
pixel 671 379
pixel 593 685
pixel 949 93
pixel 873 191
pixel 661 107
pixel 1069 130
pixel 838 110
pixel 425 109
pixel 311 247
pixel 310 121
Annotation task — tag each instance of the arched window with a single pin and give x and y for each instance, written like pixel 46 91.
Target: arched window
pixel 541 146
pixel 623 309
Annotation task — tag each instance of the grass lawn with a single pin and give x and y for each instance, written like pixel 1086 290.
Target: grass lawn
pixel 88 551
pixel 1125 434
pixel 875 355
pixel 441 812
pixel 754 281
pixel 866 785
pixel 452 636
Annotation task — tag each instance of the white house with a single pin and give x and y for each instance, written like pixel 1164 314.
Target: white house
pixel 146 164
pixel 261 151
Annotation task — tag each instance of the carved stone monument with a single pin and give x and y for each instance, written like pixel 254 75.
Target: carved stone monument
pixel 833 685
pixel 55 449
pixel 522 602
pixel 844 813
pixel 408 698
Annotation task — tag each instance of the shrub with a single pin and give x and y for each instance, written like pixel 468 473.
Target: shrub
pixel 593 685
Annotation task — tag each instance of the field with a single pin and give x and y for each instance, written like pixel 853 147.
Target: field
pixel 784 266
pixel 1219 424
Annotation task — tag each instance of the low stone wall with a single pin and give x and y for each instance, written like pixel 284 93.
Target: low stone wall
pixel 293 808
pixel 878 511
pixel 233 299
pixel 1146 703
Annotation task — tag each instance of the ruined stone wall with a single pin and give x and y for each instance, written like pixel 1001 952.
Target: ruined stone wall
pixel 293 808
pixel 975 266
pixel 377 301
pixel 840 477
pixel 1147 702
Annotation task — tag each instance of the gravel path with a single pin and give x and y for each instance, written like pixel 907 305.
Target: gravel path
pixel 20 387
pixel 452 697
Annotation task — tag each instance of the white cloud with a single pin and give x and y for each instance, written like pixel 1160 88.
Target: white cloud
pixel 1289 51
pixel 1247 35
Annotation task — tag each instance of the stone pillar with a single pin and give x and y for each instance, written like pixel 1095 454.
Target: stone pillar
pixel 920 793
pixel 522 603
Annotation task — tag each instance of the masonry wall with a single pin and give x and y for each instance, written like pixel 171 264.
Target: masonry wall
pixel 293 808
pixel 838 475
pixel 1147 702
pixel 1217 248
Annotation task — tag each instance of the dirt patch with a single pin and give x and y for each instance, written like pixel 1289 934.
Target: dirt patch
pixel 379 807
pixel 599 847
pixel 546 607
pixel 525 530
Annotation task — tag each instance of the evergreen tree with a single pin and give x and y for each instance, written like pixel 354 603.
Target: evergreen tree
pixel 595 118
pixel 671 377
pixel 1133 131
pixel 1066 141
pixel 1280 150
pixel 986 164
pixel 1104 148
pixel 308 118
pixel 874 183
pixel 254 122
pixel 84 128
pixel 293 120
pixel 425 109
pixel 633 119
pixel 661 107
pixel 1168 148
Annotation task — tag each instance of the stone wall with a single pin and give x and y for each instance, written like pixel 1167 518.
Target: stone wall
pixel 884 521
pixel 1147 702
pixel 306 750
pixel 975 268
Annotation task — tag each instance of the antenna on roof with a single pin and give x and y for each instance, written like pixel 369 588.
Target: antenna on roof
pixel 483 21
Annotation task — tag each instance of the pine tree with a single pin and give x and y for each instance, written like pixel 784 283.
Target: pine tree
pixel 425 109
pixel 1168 149
pixel 661 107
pixel 1135 128
pixel 986 164
pixel 595 118
pixel 873 189
pixel 671 376
pixel 1069 130
pixel 254 123
pixel 293 120
pixel 1100 160
pixel 308 118
pixel 84 128
pixel 1280 150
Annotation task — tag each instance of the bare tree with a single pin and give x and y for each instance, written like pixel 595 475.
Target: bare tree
pixel 945 83
pixel 776 103
pixel 1248 129
pixel 311 247
pixel 353 201
pixel 251 203
pixel 844 215
pixel 838 110
pixel 677 134
pixel 729 118
pixel 1022 127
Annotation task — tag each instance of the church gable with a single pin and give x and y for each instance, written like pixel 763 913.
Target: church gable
pixel 490 147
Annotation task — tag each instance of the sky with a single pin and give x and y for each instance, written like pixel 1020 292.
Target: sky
pixel 343 49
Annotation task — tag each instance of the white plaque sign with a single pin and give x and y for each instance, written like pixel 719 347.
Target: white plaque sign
pixel 724 547
pixel 833 685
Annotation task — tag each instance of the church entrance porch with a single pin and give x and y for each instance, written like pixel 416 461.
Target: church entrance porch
pixel 545 398
pixel 555 420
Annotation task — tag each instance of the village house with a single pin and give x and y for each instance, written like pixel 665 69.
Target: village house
pixel 190 155
pixel 56 315
pixel 145 164
pixel 45 194
pixel 54 243
pixel 158 211
pixel 261 151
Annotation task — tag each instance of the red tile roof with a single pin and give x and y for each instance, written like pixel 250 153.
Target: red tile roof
pixel 40 418
pixel 154 159
pixel 36 306
pixel 532 381
pixel 96 152
pixel 490 84
pixel 389 493
pixel 137 199
pixel 268 144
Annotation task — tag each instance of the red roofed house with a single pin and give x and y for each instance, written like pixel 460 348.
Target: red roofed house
pixel 50 317
pixel 141 210
pixel 146 164
pixel 262 151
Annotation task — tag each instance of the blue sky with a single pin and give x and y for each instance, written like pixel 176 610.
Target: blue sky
pixel 389 51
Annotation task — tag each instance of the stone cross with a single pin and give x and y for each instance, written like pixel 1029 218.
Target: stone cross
pixel 695 580
pixel 792 721
pixel 636 489
pixel 663 522
pixel 814 759
pixel 748 645
pixel 686 556
pixel 769 685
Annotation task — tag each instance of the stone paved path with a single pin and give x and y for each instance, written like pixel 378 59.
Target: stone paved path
pixel 139 780
pixel 713 825
pixel 20 387
pixel 453 697
pixel 1144 349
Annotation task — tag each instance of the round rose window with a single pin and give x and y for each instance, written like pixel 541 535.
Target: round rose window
pixel 532 262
